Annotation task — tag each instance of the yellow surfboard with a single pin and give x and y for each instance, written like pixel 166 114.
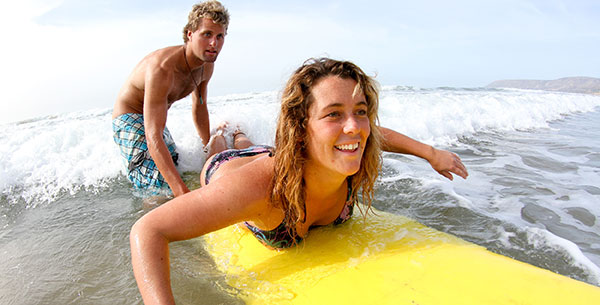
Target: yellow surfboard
pixel 385 259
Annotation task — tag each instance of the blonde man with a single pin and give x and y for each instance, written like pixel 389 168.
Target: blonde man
pixel 160 79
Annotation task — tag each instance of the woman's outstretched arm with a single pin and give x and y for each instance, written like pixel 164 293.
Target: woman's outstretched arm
pixel 442 161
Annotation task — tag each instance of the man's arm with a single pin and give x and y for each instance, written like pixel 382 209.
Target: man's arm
pixel 442 161
pixel 157 85
pixel 200 110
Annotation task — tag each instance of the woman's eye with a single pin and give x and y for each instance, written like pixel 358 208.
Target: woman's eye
pixel 361 112
pixel 333 114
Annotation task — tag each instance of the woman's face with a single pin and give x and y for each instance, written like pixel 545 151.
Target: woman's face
pixel 338 126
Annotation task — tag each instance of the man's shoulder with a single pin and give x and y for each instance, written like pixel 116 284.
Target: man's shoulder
pixel 161 63
pixel 165 52
pixel 161 59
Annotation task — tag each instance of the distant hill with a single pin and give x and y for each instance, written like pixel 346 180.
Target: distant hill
pixel 588 85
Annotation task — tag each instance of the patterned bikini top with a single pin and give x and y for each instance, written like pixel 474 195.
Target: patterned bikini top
pixel 280 237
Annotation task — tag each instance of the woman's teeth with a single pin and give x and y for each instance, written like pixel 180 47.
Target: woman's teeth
pixel 349 147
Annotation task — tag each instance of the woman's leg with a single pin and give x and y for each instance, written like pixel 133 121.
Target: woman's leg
pixel 217 142
pixel 240 140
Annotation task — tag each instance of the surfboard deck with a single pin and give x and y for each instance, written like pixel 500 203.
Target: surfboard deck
pixel 385 259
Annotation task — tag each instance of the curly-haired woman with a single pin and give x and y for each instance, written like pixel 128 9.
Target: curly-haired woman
pixel 327 149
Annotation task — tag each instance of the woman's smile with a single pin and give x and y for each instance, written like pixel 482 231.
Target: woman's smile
pixel 347 147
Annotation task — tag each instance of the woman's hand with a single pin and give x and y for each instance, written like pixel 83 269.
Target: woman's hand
pixel 445 163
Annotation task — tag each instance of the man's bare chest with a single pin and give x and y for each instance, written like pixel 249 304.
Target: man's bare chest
pixel 183 85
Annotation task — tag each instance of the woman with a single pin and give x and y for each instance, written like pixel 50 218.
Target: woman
pixel 327 148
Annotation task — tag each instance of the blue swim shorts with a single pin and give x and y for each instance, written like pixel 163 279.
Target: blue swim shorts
pixel 129 134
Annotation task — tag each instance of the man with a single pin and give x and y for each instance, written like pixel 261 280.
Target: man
pixel 161 78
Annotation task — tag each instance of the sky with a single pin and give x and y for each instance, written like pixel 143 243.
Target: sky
pixel 61 56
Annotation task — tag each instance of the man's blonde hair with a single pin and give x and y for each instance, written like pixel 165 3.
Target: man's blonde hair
pixel 212 9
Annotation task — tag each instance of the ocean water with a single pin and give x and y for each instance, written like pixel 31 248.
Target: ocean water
pixel 533 192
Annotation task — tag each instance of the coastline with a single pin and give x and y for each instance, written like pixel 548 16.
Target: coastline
pixel 578 84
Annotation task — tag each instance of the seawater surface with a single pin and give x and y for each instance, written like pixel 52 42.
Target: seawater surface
pixel 533 192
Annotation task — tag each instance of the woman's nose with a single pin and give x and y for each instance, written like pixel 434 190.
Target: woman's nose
pixel 351 125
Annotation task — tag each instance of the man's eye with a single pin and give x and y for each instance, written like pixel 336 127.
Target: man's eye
pixel 333 114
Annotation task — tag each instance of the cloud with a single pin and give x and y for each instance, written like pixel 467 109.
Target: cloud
pixel 57 67
pixel 264 46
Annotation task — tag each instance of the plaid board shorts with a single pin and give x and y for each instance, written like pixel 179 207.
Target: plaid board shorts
pixel 129 134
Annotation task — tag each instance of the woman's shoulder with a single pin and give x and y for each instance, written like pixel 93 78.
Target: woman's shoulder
pixel 240 194
pixel 250 185
pixel 250 179
pixel 260 168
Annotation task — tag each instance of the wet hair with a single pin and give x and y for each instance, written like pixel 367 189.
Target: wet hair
pixel 291 137
pixel 212 9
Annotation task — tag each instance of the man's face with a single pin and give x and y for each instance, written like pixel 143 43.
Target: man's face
pixel 207 40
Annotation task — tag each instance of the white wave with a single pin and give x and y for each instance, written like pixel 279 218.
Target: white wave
pixel 542 238
pixel 440 116
pixel 41 158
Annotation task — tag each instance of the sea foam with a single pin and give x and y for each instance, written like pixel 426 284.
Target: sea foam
pixel 44 157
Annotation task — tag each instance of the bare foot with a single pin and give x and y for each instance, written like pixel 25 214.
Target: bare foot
pixel 221 128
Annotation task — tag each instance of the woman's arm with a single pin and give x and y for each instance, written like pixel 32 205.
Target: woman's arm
pixel 442 161
pixel 230 199
pixel 150 259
